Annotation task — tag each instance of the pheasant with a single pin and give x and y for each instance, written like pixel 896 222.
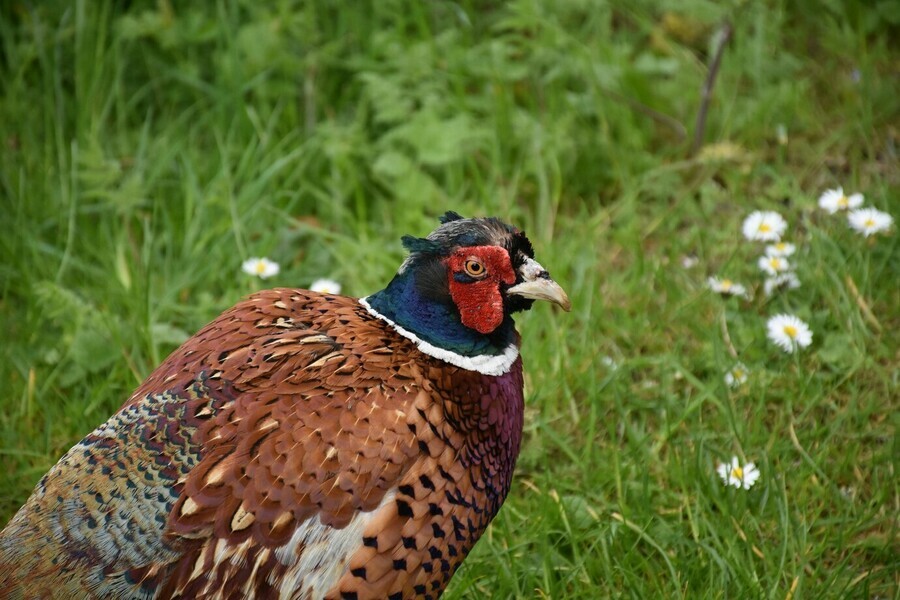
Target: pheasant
pixel 303 445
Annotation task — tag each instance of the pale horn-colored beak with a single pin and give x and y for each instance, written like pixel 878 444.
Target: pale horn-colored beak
pixel 537 285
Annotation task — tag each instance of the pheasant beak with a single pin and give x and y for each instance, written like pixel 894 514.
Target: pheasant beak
pixel 538 285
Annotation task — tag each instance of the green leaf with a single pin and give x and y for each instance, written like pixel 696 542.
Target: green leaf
pixel 437 141
pixel 838 351
pixel 392 164
pixel 92 350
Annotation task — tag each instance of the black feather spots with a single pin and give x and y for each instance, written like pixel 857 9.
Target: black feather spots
pixel 404 509
pixel 445 474
pixel 426 482
pixel 449 216
pixel 359 572
pixel 400 564
pixel 396 596
pixel 349 596
pixel 459 530
pixel 407 490
pixel 458 499
pixel 409 542
pixel 371 542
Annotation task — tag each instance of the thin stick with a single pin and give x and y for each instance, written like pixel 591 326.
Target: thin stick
pixel 724 36
pixel 727 337
pixel 862 304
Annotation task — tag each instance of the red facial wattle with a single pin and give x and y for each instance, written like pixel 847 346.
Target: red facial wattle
pixel 480 301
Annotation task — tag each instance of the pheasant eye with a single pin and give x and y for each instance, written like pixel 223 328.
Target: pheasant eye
pixel 474 268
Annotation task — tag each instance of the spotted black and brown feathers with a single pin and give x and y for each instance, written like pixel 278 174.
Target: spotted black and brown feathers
pixel 303 445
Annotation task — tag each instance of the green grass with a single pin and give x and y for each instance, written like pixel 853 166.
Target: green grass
pixel 147 150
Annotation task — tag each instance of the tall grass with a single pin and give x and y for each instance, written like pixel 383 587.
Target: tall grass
pixel 149 148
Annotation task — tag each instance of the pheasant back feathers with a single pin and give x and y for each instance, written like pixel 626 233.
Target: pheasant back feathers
pixel 299 446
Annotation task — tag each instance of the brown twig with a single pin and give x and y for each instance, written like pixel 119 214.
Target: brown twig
pixel 862 304
pixel 724 35
pixel 727 337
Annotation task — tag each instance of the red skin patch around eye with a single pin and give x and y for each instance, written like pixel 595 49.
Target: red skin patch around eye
pixel 480 302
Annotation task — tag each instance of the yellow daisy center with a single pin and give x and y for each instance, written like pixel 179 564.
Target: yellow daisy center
pixel 260 267
pixel 738 374
pixel 764 227
pixel 775 263
pixel 843 202
pixel 737 473
pixel 726 284
pixel 780 246
pixel 790 331
pixel 869 222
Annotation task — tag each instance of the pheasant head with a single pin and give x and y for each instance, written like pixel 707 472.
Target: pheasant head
pixel 456 292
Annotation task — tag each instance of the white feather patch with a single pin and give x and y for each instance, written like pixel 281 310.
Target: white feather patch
pixel 324 553
pixel 487 364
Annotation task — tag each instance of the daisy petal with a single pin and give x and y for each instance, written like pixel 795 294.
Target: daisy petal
pixel 764 226
pixel 325 286
pixel 726 287
pixel 869 221
pixel 260 267
pixel 736 475
pixel 788 332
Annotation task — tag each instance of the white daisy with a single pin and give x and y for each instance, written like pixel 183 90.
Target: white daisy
pixel 773 265
pixel 835 200
pixel 788 332
pixel 868 221
pixel 780 249
pixel 261 267
pixel 737 375
pixel 325 286
pixel 787 281
pixel 764 226
pixel 726 287
pixel 737 475
pixel 689 261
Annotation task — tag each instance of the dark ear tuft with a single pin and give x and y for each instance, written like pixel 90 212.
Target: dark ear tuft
pixel 523 243
pixel 449 216
pixel 414 244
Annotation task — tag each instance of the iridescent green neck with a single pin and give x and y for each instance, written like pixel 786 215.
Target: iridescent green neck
pixel 437 321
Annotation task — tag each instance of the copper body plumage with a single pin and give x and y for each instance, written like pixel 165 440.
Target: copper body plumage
pixel 298 446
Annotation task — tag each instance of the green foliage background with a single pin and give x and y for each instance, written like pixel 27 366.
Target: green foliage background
pixel 149 147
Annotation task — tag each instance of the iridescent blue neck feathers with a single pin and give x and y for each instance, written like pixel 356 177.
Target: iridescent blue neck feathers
pixel 430 319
